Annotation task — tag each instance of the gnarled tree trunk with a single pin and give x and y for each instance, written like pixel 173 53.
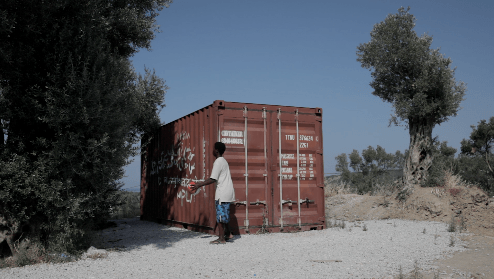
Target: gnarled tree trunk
pixel 419 158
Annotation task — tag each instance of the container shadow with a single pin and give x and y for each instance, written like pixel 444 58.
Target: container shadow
pixel 135 234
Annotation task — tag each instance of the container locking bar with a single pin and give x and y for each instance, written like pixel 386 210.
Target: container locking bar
pixel 307 201
pixel 298 168
pixel 258 202
pixel 280 174
pixel 290 202
pixel 246 221
pixel 240 202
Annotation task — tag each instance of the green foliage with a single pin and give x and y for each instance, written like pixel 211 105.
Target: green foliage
pixel 342 166
pixel 129 205
pixel 370 169
pixel 474 170
pixel 476 160
pixel 71 110
pixel 443 160
pixel 417 80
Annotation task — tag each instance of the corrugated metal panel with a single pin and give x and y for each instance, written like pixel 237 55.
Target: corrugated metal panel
pixel 276 188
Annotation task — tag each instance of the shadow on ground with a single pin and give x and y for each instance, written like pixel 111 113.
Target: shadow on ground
pixel 132 233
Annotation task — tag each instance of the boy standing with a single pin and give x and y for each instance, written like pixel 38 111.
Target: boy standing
pixel 225 194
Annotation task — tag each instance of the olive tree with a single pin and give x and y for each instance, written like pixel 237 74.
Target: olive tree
pixel 419 83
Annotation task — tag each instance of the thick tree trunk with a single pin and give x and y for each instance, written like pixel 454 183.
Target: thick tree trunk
pixel 419 158
pixel 7 236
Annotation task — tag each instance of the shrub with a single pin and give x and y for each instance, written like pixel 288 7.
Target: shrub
pixel 334 185
pixel 128 206
pixel 452 225
pixel 474 170
pixel 443 160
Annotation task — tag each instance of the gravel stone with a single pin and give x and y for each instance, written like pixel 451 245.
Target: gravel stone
pixel 141 249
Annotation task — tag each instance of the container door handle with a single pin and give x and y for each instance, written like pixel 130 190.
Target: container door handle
pixel 240 202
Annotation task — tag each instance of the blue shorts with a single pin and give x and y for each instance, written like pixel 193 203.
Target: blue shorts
pixel 222 212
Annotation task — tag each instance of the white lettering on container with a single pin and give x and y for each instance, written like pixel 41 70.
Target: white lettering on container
pixel 232 141
pixel 287 156
pixel 232 134
pixel 306 138
pixel 286 170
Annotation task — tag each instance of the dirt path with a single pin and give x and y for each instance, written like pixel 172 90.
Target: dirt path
pixel 466 209
pixel 476 262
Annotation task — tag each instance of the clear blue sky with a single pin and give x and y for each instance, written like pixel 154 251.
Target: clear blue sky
pixel 303 53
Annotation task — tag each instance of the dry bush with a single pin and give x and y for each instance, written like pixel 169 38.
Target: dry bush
pixel 334 186
pixel 384 189
pixel 453 184
pixel 452 181
pixel 98 256
pixel 26 252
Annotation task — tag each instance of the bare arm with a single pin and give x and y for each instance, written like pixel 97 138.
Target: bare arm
pixel 204 183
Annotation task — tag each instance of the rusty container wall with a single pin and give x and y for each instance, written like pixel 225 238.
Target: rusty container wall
pixel 275 155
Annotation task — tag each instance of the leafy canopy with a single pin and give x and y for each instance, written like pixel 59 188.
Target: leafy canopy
pixel 71 109
pixel 416 80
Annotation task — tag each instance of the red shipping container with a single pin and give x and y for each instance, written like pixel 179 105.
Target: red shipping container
pixel 277 189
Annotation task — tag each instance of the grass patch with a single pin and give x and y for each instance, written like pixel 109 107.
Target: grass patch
pixel 336 224
pixel 452 225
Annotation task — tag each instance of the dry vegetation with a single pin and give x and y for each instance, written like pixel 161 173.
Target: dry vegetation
pixel 130 205
pixel 28 252
pixel 456 201
pixel 462 206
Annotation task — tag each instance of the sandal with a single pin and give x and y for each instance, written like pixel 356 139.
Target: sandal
pixel 217 241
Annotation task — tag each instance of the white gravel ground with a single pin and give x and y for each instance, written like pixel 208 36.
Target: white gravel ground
pixel 149 250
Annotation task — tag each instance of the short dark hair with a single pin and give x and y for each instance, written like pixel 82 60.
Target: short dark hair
pixel 221 147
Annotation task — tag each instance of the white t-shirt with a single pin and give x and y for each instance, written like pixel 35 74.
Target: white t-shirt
pixel 224 183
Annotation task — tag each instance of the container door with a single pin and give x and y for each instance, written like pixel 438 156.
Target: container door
pixel 244 133
pixel 298 193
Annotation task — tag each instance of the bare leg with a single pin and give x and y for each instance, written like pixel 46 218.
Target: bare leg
pixel 221 236
pixel 227 231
